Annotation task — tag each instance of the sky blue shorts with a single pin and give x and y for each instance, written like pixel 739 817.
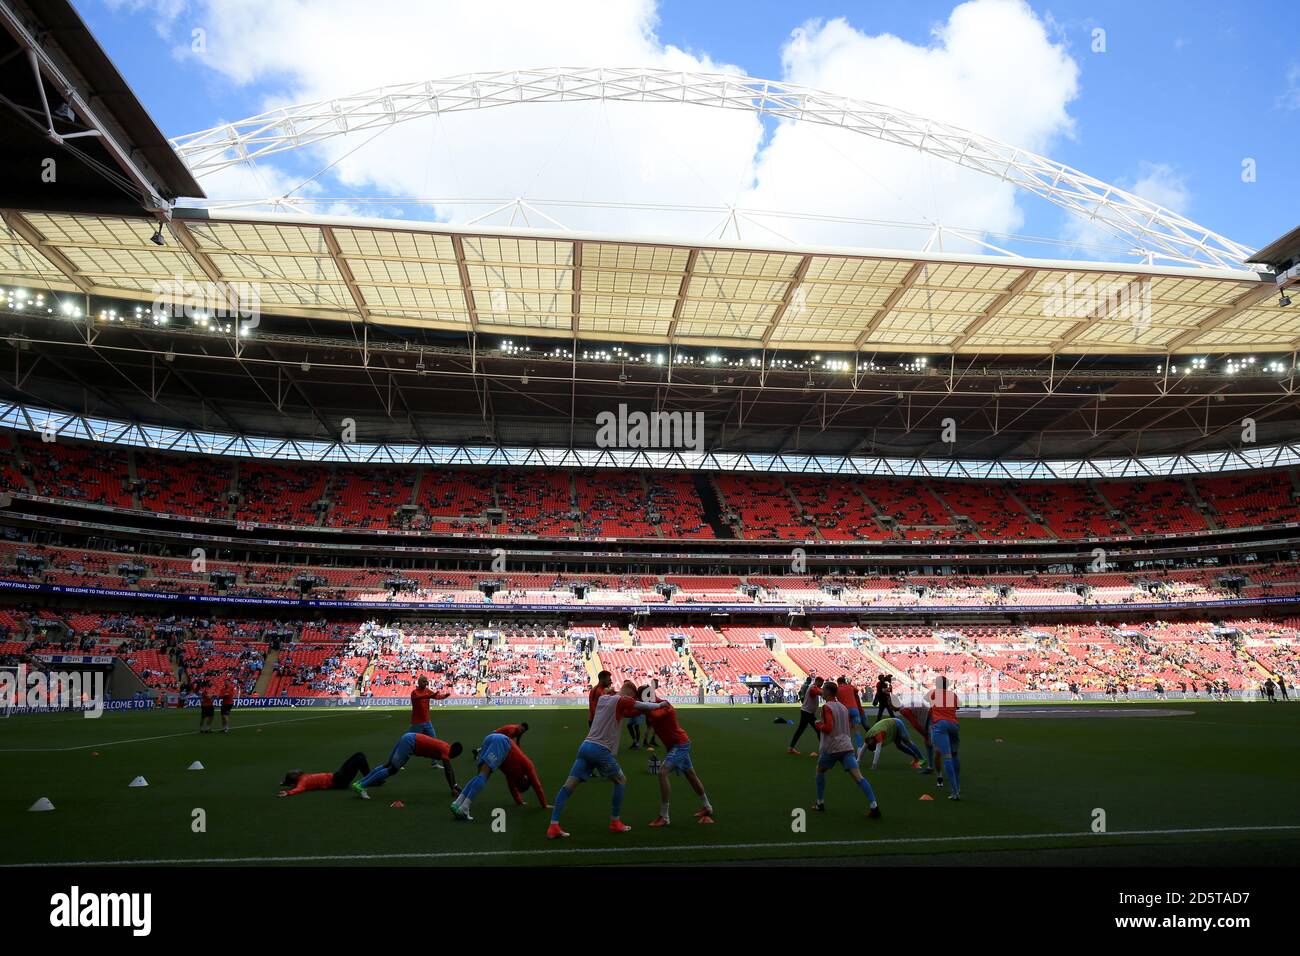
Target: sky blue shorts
pixel 678 758
pixel 496 747
pixel 945 737
pixel 847 759
pixel 593 758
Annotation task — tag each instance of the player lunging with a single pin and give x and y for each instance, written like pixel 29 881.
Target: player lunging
pixel 663 722
pixel 596 755
pixel 837 748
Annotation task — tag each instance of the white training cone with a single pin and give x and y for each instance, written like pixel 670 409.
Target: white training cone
pixel 196 766
pixel 138 782
pixel 41 804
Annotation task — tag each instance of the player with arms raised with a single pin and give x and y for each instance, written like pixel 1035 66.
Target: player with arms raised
pixel 420 697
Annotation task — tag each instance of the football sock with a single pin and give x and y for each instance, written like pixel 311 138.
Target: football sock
pixel 561 799
pixel 376 777
pixel 616 806
pixel 476 783
pixel 866 788
pixel 821 787
pixel 950 771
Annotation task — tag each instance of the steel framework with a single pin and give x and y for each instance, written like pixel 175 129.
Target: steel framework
pixel 1152 231
pixel 49 422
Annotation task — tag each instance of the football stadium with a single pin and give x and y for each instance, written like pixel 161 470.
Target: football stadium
pixel 800 537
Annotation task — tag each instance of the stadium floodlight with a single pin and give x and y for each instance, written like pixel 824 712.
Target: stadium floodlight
pixel 1283 300
pixel 157 238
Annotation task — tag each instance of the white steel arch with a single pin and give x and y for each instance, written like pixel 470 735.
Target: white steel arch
pixel 1153 231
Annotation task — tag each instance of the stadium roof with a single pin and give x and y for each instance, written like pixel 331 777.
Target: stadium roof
pixel 642 290
pixel 111 155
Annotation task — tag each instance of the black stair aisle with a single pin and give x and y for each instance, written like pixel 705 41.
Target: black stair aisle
pixel 712 507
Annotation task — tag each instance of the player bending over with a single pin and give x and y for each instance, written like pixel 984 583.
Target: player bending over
pixel 837 748
pixel 300 782
pixel 501 750
pixel 596 755
pixel 944 733
pixel 891 730
pixel 409 745
pixel 920 719
pixel 664 723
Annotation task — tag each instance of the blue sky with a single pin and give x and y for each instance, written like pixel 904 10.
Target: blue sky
pixel 1180 97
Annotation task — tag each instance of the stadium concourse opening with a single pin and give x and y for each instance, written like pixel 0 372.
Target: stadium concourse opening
pixel 400 542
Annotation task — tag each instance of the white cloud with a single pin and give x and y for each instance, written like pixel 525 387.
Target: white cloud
pixel 992 67
pixel 1159 183
pixel 1289 98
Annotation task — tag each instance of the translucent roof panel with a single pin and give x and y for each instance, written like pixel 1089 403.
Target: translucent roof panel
pixel 608 287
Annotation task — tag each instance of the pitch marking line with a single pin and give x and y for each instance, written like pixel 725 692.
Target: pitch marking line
pixel 137 740
pixel 597 851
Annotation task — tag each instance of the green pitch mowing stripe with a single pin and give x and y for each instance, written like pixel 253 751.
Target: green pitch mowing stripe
pixel 1220 778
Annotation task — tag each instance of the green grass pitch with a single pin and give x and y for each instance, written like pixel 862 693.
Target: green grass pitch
pixel 1225 774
